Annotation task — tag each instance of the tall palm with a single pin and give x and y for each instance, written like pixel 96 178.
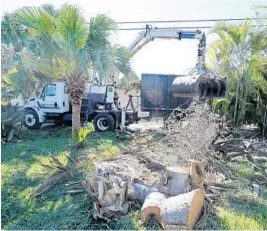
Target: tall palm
pixel 67 47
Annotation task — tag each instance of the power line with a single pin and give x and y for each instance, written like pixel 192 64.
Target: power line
pixel 193 20
pixel 180 21
pixel 162 28
pixel 169 21
pixel 180 27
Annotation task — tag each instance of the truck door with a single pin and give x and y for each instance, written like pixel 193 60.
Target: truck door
pixel 65 100
pixel 49 98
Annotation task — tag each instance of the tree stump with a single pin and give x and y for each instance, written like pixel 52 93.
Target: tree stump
pixel 152 206
pixel 197 174
pixel 177 180
pixel 182 210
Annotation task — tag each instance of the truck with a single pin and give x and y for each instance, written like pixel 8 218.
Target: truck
pixel 100 104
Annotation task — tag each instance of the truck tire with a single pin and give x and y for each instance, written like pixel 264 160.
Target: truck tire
pixel 31 119
pixel 104 122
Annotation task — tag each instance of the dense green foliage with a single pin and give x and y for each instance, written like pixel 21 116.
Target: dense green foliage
pixel 240 54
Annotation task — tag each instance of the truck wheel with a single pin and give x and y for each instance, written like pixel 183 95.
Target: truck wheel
pixel 31 119
pixel 104 122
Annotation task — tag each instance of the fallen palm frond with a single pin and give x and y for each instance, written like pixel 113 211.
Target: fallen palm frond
pixel 11 124
pixel 58 172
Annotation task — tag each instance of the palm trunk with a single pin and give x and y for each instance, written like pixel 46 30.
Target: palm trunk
pixel 242 102
pixel 76 121
pixel 264 121
pixel 236 101
pixel 76 88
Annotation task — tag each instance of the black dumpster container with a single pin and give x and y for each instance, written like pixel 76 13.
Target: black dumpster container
pixel 156 93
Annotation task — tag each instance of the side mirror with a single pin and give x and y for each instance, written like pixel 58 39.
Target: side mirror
pixel 42 92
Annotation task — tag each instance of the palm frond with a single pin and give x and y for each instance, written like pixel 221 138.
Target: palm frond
pixel 101 28
pixel 237 33
pixel 41 26
pixel 122 59
pixel 71 27
pixel 35 18
pixel 258 40
pixel 50 9
pixel 12 31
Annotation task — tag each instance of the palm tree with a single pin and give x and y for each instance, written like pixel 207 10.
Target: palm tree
pixel 67 47
pixel 18 77
pixel 240 55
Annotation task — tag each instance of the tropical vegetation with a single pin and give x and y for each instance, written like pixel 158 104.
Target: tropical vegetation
pixel 240 53
pixel 49 43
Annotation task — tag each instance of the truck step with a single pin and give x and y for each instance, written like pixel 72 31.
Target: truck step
pixel 86 101
pixel 52 114
pixel 85 107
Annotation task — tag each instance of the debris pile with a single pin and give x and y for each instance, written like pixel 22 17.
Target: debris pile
pixel 172 203
pixel 176 173
pixel 188 135
pixel 165 163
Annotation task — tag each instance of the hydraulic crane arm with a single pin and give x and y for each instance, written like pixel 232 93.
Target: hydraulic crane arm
pixel 150 34
pixel 201 81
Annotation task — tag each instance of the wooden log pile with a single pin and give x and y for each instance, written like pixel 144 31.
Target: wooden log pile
pixel 172 203
pixel 179 204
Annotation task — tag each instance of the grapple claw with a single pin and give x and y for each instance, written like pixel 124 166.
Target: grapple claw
pixel 204 85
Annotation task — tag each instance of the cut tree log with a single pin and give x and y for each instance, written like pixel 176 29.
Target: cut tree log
pixel 139 192
pixel 177 180
pixel 152 206
pixel 183 210
pixel 196 174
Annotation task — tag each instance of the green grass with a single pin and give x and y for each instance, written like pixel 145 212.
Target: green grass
pixel 244 211
pixel 237 220
pixel 55 210
pixel 241 209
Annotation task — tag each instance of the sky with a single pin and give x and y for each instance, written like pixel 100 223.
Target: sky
pixel 159 56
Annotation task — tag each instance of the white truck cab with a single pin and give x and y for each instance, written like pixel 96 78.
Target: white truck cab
pixel 54 98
